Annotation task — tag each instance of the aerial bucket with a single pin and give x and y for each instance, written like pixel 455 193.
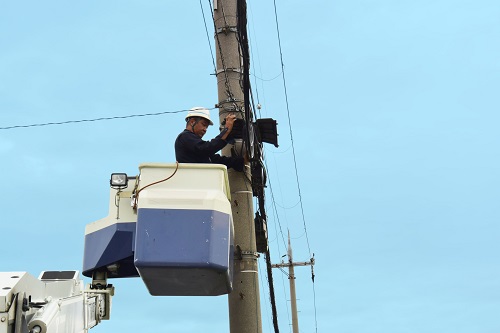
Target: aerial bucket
pixel 184 233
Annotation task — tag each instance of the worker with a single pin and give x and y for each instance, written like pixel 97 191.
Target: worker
pixel 190 148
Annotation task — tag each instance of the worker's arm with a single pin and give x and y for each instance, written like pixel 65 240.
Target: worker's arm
pixel 190 148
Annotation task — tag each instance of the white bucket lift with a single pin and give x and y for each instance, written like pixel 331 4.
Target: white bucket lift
pixel 178 235
pixel 184 233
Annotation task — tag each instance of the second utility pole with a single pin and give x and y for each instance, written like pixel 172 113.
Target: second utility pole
pixel 244 300
pixel 291 278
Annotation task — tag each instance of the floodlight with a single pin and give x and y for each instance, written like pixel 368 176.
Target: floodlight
pixel 119 180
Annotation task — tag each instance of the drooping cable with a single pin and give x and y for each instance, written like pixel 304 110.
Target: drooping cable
pixel 275 210
pixel 272 296
pixel 92 120
pixel 138 191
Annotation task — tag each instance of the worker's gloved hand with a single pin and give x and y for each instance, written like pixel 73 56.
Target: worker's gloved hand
pixel 230 118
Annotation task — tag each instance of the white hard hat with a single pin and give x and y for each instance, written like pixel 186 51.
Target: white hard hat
pixel 199 111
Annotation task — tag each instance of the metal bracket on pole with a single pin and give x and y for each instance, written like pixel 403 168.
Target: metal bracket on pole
pixel 249 254
pixel 245 255
pixel 248 261
pixel 229 106
pixel 236 70
pixel 230 101
pixel 226 30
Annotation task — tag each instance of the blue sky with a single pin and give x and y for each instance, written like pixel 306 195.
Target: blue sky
pixel 394 111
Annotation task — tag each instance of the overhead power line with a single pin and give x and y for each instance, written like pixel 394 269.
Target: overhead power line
pixel 208 37
pixel 290 126
pixel 92 120
pixel 293 151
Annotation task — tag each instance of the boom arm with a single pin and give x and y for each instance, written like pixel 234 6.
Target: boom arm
pixel 55 302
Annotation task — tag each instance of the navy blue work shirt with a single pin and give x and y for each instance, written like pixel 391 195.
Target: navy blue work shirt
pixel 190 148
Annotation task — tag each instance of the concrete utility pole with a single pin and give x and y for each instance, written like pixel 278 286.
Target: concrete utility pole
pixel 244 300
pixel 291 278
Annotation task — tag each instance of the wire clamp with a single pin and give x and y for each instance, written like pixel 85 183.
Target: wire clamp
pixel 250 254
pixel 226 29
pixel 235 70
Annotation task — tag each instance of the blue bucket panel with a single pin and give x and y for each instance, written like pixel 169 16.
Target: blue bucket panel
pixel 113 244
pixel 182 252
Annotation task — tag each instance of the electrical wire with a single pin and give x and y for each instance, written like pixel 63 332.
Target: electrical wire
pixel 293 147
pixel 91 120
pixel 136 194
pixel 276 217
pixel 290 126
pixel 267 80
pixel 208 37
pixel 257 110
pixel 288 208
pixel 263 284
pixel 231 97
pixel 315 310
pixel 276 212
pixel 252 143
pixel 229 94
